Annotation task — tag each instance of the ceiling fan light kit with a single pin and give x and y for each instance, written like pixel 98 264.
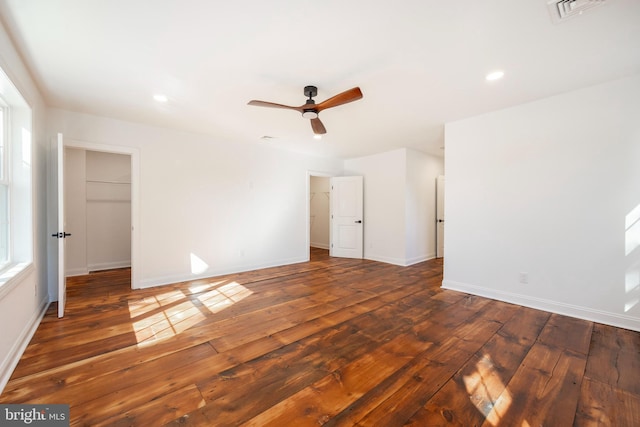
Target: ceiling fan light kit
pixel 310 110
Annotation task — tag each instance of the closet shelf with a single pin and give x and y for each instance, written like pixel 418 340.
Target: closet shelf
pixel 108 182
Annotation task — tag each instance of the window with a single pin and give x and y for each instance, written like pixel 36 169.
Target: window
pixel 4 191
pixel 16 216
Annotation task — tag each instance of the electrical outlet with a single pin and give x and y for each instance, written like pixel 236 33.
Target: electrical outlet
pixel 524 278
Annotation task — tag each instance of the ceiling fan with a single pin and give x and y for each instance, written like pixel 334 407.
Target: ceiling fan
pixel 310 109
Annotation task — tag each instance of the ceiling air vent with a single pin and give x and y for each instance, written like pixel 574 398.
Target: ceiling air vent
pixel 564 9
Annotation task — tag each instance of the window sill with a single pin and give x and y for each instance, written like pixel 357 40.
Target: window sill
pixel 12 275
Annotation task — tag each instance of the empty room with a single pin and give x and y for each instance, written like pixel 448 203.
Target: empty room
pixel 320 213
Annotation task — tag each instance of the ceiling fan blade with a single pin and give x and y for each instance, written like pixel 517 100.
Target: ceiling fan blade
pixel 273 105
pixel 341 98
pixel 317 126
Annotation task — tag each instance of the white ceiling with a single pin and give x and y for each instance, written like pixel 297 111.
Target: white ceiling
pixel 419 63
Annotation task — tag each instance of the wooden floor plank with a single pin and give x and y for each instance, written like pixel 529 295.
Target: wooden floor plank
pixel 545 389
pixel 469 396
pixel 283 374
pixel 327 397
pixel 332 341
pixel 80 385
pixel 160 411
pixel 604 405
pixel 397 399
pixel 614 357
pixel 567 333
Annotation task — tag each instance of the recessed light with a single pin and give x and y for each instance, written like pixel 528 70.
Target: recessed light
pixel 495 75
pixel 317 136
pixel 160 98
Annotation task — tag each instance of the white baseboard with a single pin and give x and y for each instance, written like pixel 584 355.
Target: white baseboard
pixel 81 271
pixel 109 265
pixel 177 278
pixel 585 313
pixel 386 259
pixel 12 359
pixel 76 272
pixel 399 261
pixel 421 258
pixel 319 245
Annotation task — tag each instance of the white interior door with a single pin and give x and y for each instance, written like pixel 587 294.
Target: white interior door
pixel 60 234
pixel 346 217
pixel 440 216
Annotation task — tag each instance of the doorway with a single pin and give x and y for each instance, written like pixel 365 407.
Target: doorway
pixel 98 210
pixel 108 236
pixel 318 222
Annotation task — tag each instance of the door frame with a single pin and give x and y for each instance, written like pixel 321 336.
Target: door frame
pixel 440 194
pixel 311 173
pixel 135 195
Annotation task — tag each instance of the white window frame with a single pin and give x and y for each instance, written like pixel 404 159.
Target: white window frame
pixel 5 181
pixel 18 176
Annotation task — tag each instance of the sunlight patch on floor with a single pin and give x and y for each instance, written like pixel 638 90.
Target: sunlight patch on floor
pixel 198 287
pixel 224 296
pixel 149 304
pixel 167 323
pixel 171 313
pixel 486 390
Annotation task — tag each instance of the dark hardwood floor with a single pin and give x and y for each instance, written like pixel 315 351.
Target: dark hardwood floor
pixel 335 342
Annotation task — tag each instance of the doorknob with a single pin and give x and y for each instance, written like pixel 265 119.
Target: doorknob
pixel 441 220
pixel 358 222
pixel 61 235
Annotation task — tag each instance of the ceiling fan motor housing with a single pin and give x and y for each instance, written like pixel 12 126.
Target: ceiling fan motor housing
pixel 310 91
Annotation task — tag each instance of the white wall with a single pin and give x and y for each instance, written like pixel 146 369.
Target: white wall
pixel 319 211
pixel 108 201
pixel 384 204
pixel 207 207
pixel 23 305
pixel 399 204
pixel 550 189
